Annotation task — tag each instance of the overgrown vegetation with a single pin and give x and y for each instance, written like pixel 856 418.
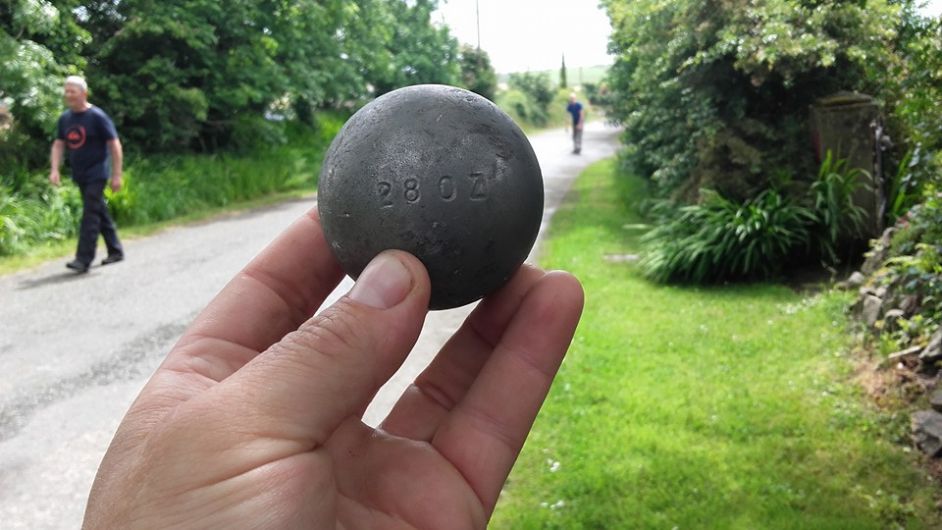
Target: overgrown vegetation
pixel 533 102
pixel 214 102
pixel 715 96
pixel 203 76
pixel 908 274
pixel 718 239
pixel 163 187
pixel 692 407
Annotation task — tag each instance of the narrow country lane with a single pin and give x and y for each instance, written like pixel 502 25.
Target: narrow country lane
pixel 75 350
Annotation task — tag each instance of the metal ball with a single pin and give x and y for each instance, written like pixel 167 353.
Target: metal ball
pixel 441 173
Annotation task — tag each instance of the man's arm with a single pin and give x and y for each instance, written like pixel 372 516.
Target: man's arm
pixel 117 160
pixel 55 160
pixel 581 118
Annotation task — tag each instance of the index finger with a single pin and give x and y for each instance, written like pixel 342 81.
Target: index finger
pixel 276 292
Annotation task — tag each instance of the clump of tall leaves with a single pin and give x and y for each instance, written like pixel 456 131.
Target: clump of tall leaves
pixel 838 217
pixel 719 239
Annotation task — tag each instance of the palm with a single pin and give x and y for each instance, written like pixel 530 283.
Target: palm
pixel 409 484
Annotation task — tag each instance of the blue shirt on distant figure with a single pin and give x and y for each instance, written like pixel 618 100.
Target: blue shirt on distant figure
pixel 574 108
pixel 86 135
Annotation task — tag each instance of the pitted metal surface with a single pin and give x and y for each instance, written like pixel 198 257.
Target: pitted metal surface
pixel 439 172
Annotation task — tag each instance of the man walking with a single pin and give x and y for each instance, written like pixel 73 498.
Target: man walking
pixel 90 136
pixel 578 118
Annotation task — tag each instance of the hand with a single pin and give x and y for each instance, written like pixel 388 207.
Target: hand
pixel 579 127
pixel 54 177
pixel 253 420
pixel 116 183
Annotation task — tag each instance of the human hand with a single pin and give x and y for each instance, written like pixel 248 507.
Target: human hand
pixel 116 182
pixel 253 420
pixel 579 127
pixel 54 177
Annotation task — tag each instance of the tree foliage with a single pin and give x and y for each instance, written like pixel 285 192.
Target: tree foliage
pixel 38 42
pixel 477 74
pixel 202 75
pixel 715 94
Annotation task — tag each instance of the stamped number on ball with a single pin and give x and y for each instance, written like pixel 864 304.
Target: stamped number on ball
pixel 410 189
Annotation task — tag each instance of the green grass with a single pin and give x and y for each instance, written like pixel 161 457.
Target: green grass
pixel 679 407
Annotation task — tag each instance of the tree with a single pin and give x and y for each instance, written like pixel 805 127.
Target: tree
pixel 716 94
pixel 562 73
pixel 38 43
pixel 477 74
pixel 420 52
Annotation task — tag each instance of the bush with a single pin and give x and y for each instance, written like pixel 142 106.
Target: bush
pixel 839 220
pixel 159 188
pixel 911 274
pixel 716 94
pixel 26 221
pixel 719 239
pixel 521 108
pixel 164 187
pixel 529 113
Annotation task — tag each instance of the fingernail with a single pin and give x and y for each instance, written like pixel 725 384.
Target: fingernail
pixel 384 283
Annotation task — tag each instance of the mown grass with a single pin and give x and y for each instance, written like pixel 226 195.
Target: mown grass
pixel 42 224
pixel 683 407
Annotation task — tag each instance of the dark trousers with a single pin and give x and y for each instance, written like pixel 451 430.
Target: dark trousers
pixel 95 220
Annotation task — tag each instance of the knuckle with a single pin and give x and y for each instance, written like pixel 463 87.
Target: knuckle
pixel 334 333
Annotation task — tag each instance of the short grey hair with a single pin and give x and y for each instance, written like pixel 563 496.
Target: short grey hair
pixel 77 81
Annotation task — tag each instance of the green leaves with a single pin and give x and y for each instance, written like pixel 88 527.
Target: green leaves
pixel 180 75
pixel 719 239
pixel 477 74
pixel 698 84
pixel 839 219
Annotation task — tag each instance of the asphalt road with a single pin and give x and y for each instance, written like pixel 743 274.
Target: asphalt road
pixel 76 349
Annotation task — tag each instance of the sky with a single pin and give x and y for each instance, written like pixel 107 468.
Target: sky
pixel 932 8
pixel 522 35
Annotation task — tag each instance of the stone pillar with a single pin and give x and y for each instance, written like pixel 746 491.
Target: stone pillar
pixel 849 125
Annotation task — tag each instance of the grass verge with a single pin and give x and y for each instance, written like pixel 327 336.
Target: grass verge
pixel 62 248
pixel 683 407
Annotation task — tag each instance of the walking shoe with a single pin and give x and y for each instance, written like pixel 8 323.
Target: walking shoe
pixel 77 266
pixel 112 258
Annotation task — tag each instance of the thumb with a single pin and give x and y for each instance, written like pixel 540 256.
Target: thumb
pixel 304 386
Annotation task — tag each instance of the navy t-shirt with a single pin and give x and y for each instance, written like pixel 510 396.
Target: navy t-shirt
pixel 575 109
pixel 85 134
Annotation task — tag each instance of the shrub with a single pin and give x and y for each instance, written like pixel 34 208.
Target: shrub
pixel 716 94
pixel 719 239
pixel 838 217
pixel 26 221
pixel 520 107
pixel 162 187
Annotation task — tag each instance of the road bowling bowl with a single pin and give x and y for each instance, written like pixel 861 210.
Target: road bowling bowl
pixel 441 173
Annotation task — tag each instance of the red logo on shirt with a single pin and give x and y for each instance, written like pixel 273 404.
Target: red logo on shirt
pixel 75 137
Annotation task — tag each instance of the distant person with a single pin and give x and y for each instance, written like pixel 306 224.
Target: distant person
pixel 90 136
pixel 578 120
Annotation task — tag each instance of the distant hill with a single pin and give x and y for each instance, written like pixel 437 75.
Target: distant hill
pixel 590 74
